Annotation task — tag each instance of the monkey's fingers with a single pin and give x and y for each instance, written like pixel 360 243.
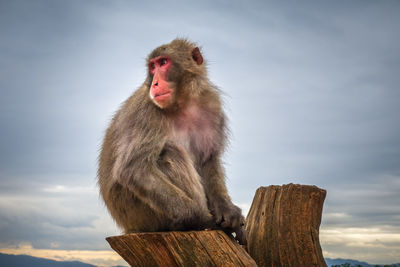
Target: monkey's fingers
pixel 233 220
pixel 229 221
pixel 218 217
pixel 241 236
pixel 237 221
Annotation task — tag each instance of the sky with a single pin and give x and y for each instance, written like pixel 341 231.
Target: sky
pixel 311 90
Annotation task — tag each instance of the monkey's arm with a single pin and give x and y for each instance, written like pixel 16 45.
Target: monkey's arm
pixel 226 214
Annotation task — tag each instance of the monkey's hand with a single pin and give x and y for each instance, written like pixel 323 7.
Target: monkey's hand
pixel 229 217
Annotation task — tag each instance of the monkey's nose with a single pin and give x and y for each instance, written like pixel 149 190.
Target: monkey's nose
pixel 156 84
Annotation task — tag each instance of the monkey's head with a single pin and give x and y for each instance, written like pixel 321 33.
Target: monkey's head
pixel 172 70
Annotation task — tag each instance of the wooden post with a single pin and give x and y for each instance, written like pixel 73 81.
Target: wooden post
pixel 283 226
pixel 193 248
pixel 282 231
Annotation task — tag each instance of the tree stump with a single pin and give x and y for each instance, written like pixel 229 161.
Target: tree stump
pixel 283 226
pixel 193 248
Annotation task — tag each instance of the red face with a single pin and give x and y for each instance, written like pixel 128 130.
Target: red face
pixel 160 91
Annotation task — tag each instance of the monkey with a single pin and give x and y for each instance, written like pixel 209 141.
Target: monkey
pixel 160 166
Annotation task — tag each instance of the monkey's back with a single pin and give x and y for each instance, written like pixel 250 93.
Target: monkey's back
pixel 128 211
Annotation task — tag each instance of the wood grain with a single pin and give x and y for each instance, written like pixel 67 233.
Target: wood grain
pixel 192 248
pixel 283 226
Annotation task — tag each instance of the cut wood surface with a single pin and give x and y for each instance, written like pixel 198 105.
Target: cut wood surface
pixel 192 248
pixel 283 226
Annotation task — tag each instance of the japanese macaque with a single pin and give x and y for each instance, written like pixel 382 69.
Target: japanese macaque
pixel 160 165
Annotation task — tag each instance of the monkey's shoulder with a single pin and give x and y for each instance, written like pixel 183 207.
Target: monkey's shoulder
pixel 137 112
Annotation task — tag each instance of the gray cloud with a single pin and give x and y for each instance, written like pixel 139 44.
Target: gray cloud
pixel 70 215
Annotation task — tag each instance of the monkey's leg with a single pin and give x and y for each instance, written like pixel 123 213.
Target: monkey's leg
pixel 163 195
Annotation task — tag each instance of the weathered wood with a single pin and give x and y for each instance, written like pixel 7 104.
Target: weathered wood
pixel 192 248
pixel 283 226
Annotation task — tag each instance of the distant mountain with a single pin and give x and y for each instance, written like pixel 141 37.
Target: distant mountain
pixel 28 261
pixel 331 262
pixel 7 260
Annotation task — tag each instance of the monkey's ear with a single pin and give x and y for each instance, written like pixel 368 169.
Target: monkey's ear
pixel 196 55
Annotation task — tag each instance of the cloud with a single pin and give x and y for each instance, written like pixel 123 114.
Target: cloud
pixel 372 204
pixel 70 215
pixel 98 258
pixel 67 189
pixel 357 243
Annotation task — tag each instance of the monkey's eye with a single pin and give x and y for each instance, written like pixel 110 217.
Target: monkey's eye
pixel 163 61
pixel 152 66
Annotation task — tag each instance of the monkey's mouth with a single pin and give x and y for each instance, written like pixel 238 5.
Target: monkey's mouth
pixel 162 95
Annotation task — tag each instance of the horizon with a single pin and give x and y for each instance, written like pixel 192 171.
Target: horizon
pixel 310 91
pixel 336 260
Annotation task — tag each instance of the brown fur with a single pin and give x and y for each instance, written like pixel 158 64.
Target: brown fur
pixel 160 168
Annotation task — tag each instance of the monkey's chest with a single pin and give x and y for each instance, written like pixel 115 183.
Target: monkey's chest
pixel 197 133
